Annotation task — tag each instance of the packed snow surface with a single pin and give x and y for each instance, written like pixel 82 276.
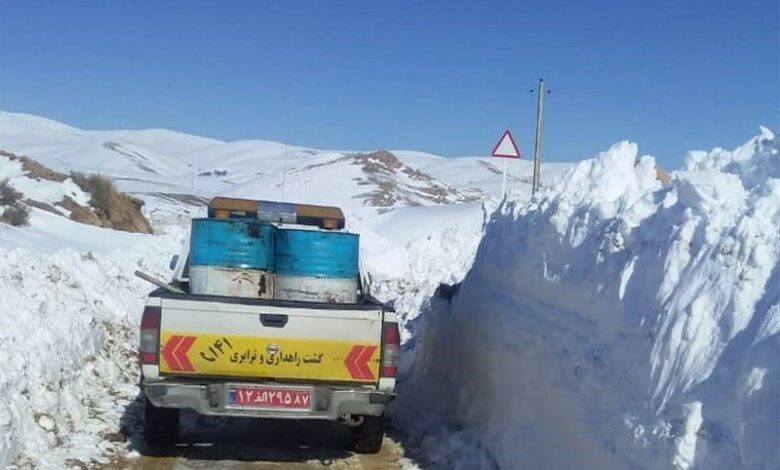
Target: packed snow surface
pixel 615 323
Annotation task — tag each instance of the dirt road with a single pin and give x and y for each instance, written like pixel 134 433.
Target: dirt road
pixel 242 443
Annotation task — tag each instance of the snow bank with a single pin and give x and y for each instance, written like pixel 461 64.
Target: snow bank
pixel 615 323
pixel 68 321
pixel 407 252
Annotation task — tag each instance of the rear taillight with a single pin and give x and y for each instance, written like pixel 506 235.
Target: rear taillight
pixel 392 349
pixel 150 336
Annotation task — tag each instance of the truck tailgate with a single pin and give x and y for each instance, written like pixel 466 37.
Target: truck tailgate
pixel 234 339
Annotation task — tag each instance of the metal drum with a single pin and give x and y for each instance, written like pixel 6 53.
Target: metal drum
pixel 316 265
pixel 232 282
pixel 231 257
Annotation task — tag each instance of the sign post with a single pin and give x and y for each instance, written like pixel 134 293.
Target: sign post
pixel 505 148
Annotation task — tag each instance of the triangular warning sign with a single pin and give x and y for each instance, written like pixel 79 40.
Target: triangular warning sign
pixel 506 147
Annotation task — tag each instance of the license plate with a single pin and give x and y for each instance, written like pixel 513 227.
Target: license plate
pixel 270 397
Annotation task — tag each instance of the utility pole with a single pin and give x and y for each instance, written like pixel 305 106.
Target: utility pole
pixel 538 146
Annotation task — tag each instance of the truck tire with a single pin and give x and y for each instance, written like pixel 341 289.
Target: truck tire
pixel 369 435
pixel 161 425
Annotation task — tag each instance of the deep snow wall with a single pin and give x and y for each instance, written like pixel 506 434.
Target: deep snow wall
pixel 617 323
pixel 68 327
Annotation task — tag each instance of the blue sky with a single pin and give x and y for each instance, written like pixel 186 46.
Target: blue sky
pixel 443 77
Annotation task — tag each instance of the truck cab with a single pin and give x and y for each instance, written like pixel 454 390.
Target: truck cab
pixel 300 346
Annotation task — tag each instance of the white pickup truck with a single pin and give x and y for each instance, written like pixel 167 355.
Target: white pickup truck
pixel 265 358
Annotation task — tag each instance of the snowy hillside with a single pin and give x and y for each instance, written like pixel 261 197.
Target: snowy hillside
pixel 615 323
pixel 161 161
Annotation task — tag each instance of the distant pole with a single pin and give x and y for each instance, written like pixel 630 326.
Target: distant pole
pixel 538 146
pixel 192 178
pixel 286 148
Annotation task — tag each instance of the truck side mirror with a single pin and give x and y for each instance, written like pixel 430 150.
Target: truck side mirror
pixel 174 260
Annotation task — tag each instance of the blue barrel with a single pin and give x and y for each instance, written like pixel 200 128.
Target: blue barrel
pixel 315 253
pixel 232 243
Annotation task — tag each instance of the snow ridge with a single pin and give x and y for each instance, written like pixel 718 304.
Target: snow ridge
pixel 65 313
pixel 631 324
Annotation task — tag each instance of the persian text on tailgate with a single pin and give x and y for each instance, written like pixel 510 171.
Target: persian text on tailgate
pixel 248 356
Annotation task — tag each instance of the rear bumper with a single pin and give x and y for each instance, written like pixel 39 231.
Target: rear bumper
pixel 328 403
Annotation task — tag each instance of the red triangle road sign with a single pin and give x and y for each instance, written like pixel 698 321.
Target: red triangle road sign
pixel 506 146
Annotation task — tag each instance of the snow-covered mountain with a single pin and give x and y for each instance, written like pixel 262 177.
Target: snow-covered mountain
pixel 161 161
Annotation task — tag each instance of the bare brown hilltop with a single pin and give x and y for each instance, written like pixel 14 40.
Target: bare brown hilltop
pixel 108 207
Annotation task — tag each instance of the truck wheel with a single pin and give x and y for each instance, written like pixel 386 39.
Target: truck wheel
pixel 369 435
pixel 161 425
